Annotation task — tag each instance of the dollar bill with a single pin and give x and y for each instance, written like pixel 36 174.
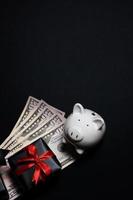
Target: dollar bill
pixel 25 123
pixel 32 109
pixel 64 153
pixel 11 186
pixel 58 111
pixel 43 117
pixel 49 122
pixel 55 109
pixel 33 120
pixel 35 134
pixel 30 105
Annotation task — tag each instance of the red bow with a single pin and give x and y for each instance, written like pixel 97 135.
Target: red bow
pixel 42 169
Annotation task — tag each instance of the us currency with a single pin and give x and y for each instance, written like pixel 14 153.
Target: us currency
pixel 55 109
pixel 44 117
pixel 43 112
pixel 34 119
pixel 37 133
pixel 30 105
pixel 54 139
pixel 11 186
pixel 39 109
pixel 58 111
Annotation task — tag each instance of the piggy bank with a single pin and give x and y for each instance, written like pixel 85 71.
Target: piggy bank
pixel 83 128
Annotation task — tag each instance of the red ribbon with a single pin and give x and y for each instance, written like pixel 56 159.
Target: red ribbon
pixel 41 169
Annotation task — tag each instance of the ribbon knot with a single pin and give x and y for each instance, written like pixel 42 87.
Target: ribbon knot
pixel 41 168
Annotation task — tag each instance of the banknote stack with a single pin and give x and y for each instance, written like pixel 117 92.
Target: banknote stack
pixel 37 120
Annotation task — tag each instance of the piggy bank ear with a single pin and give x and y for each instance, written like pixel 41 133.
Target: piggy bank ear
pixel 99 123
pixel 78 108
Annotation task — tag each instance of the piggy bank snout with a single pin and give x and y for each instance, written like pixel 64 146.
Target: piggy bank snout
pixel 75 134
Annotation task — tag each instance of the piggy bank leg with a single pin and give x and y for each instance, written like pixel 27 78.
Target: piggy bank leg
pixel 79 151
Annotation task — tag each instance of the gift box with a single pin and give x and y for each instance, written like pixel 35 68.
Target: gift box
pixel 3 190
pixel 34 164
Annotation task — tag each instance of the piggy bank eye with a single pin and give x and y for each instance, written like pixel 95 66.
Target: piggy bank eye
pixel 93 114
pixel 87 124
pixel 79 120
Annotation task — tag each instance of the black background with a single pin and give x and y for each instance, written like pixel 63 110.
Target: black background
pixel 66 52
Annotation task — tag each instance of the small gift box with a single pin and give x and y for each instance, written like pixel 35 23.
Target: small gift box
pixel 33 164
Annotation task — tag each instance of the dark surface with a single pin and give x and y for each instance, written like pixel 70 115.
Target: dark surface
pixel 3 153
pixel 3 190
pixel 65 53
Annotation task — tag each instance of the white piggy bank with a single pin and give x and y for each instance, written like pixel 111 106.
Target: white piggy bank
pixel 83 128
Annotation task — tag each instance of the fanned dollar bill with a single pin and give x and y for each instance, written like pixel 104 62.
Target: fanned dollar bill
pixel 37 133
pixel 33 115
pixel 30 105
pixel 47 124
pixel 64 153
pixel 43 117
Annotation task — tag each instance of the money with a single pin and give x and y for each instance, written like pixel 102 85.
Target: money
pixel 33 114
pixel 11 186
pixel 55 109
pixel 58 111
pixel 43 117
pixel 44 126
pixel 54 140
pixel 30 105
pixel 37 133
pixel 31 118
